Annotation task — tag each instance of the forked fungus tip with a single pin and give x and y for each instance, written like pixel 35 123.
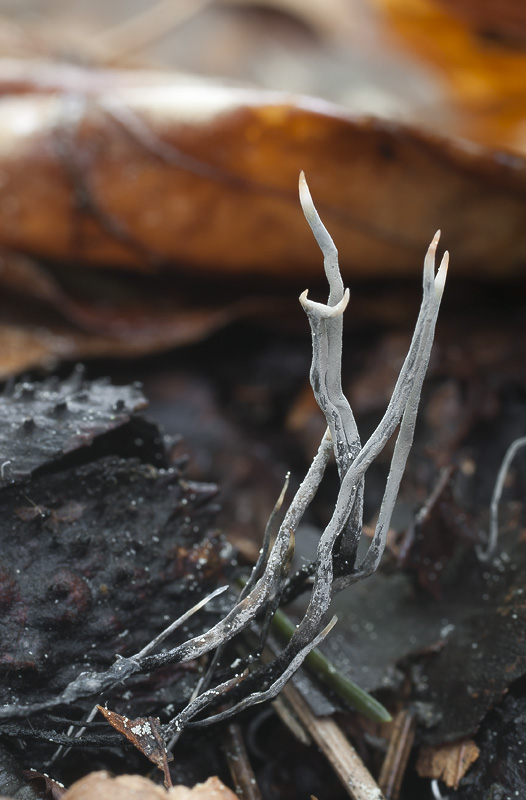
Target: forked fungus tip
pixel 322 310
pixel 429 261
pixel 440 279
pixel 307 204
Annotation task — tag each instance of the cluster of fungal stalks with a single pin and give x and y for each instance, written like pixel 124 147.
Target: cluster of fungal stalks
pixel 336 565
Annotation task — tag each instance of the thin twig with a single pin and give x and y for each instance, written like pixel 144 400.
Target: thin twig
pixel 245 785
pixel 398 752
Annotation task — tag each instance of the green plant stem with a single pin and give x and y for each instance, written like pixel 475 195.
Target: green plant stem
pixel 360 700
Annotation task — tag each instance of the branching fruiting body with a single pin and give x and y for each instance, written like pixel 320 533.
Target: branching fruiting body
pixel 338 542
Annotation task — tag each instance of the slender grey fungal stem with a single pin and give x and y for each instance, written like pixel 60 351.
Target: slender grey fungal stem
pixel 276 687
pixel 487 554
pixel 327 339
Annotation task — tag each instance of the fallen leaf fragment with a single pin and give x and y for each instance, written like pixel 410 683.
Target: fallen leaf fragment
pixel 212 789
pixel 49 788
pixel 146 735
pixel 448 762
pixel 174 190
pixel 104 787
pixel 206 177
pixel 473 48
pixel 47 317
pixel 506 21
pixel 53 419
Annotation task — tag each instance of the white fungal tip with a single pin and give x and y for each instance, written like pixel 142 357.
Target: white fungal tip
pixel 330 626
pixel 303 298
pixel 441 275
pixel 305 198
pixel 340 307
pixel 429 261
pixel 321 310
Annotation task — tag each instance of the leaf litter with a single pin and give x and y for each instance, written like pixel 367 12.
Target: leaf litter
pixel 135 162
pixel 67 313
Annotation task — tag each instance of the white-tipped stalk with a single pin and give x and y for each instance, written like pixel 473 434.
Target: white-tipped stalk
pixel 311 215
pixel 324 240
pixel 319 230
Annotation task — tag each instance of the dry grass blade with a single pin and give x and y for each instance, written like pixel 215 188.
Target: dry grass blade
pixel 239 764
pixel 395 762
pixel 347 764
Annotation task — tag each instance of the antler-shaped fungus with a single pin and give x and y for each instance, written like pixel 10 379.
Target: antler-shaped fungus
pixel 339 541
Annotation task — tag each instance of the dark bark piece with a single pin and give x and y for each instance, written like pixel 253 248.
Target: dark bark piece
pixel 485 648
pixel 500 770
pixel 13 782
pixel 96 558
pixel 42 422
pixel 77 588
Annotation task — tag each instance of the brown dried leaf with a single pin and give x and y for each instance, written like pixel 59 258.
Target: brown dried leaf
pixel 484 80
pixel 448 762
pixel 146 735
pixel 212 789
pixel 138 170
pixel 27 346
pixel 105 787
pixel 206 176
pixel 48 788
pixel 44 321
pixel 502 20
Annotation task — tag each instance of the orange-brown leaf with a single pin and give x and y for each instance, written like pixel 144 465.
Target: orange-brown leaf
pixel 104 787
pixel 146 735
pixel 484 79
pixel 206 177
pixel 449 762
